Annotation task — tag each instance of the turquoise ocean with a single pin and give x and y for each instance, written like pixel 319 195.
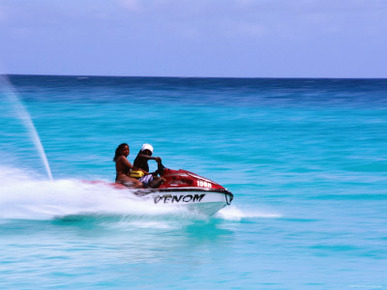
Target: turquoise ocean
pixel 306 160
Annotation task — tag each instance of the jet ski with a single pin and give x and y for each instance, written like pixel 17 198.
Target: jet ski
pixel 183 188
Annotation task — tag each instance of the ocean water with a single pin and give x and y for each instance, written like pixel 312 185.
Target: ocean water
pixel 306 160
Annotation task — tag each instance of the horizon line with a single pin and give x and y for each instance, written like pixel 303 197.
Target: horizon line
pixel 190 77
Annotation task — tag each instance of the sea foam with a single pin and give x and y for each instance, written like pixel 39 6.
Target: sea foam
pixel 24 197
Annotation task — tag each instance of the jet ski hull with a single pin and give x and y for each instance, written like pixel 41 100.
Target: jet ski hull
pixel 182 188
pixel 201 201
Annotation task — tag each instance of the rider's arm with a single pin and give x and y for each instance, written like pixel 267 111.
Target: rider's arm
pixel 157 159
pixel 126 163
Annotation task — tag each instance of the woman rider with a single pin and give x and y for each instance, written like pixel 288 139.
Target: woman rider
pixel 123 167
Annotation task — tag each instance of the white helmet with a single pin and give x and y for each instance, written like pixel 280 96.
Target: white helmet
pixel 147 147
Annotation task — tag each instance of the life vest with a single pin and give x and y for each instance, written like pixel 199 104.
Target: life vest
pixel 136 174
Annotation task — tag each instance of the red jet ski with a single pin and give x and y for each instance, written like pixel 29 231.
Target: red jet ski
pixel 184 188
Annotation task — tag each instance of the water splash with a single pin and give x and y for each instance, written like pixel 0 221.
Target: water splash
pixel 233 213
pixel 23 114
pixel 30 199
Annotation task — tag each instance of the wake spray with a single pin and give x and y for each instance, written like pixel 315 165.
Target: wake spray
pixel 23 114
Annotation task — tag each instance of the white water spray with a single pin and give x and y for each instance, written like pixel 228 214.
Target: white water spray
pixel 26 118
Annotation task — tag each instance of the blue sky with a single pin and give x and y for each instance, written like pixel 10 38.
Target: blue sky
pixel 212 38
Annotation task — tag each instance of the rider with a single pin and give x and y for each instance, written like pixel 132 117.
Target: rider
pixel 124 167
pixel 141 167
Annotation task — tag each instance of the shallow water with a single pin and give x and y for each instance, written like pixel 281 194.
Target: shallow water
pixel 305 159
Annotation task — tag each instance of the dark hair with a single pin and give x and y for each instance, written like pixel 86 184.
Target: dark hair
pixel 119 151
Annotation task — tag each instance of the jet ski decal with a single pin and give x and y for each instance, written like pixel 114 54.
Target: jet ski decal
pixel 168 198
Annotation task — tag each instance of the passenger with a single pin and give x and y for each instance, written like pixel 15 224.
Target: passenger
pixel 124 167
pixel 141 167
